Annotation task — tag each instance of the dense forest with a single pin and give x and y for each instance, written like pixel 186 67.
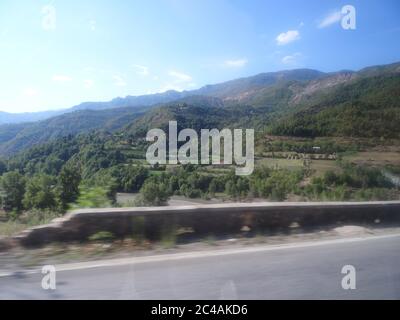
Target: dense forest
pixel 368 107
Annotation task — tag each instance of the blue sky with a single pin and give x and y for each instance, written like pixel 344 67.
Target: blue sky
pixel 56 54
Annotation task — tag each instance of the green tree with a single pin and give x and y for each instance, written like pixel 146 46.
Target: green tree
pixel 68 185
pixel 154 193
pixel 133 178
pixel 12 185
pixel 104 180
pixel 40 192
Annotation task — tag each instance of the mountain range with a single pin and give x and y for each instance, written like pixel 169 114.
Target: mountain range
pixel 301 102
pixel 129 101
pixel 224 89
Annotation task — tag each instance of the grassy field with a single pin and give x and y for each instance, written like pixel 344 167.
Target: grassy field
pixel 10 228
pixel 319 167
pixel 374 158
pixel 280 163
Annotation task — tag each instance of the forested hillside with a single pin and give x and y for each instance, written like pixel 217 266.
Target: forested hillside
pixel 17 137
pixel 85 158
pixel 303 103
pixel 365 107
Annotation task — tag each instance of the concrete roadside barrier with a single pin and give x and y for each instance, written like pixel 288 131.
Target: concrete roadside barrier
pixel 203 220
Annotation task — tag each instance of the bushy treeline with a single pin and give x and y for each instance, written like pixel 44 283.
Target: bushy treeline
pixel 192 182
pixel 57 193
pixel 40 191
pixel 43 191
pixel 20 192
pixel 352 183
pixel 54 175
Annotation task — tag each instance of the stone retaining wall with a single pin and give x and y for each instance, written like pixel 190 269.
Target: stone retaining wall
pixel 202 220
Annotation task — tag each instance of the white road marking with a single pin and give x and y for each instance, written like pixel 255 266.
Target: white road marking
pixel 200 254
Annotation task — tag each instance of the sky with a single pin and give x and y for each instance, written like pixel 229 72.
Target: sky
pixel 57 54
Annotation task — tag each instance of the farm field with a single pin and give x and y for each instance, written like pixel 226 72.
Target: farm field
pixel 374 158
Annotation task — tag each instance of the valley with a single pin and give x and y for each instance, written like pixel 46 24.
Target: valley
pixel 318 137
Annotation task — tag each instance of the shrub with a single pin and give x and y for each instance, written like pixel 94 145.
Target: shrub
pixel 154 193
pixel 95 197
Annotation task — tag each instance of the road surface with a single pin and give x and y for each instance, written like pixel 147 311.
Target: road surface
pixel 302 271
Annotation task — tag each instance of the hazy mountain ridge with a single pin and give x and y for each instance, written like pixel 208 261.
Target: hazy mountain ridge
pixel 345 103
pixel 129 101
pixel 21 136
pixel 14 118
pixel 227 90
pixel 268 101
pixel 28 135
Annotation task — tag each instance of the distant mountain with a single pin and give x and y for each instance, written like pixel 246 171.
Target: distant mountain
pixel 14 138
pixel 362 104
pixel 239 89
pixel 229 91
pixel 17 137
pixel 129 101
pixel 345 103
pixel 298 102
pixel 11 118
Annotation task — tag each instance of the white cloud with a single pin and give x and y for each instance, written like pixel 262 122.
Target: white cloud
pixel 88 83
pixel 180 77
pixel 142 70
pixel 61 78
pixel 119 81
pixel 287 37
pixel 30 92
pixel 330 19
pixel 238 63
pixel 180 82
pixel 291 59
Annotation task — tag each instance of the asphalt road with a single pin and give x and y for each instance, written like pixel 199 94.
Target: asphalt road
pixel 304 271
